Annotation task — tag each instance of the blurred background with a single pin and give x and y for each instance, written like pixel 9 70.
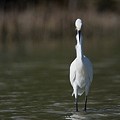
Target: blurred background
pixel 30 22
pixel 37 39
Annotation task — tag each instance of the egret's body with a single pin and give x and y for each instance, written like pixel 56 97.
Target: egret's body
pixel 81 71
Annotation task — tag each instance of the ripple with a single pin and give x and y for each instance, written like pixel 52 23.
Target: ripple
pixel 95 114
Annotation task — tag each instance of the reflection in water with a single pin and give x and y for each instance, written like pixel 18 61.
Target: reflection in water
pixel 77 116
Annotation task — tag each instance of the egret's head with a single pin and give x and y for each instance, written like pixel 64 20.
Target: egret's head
pixel 78 24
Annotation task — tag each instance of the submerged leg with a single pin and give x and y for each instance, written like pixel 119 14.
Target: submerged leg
pixel 76 104
pixel 85 103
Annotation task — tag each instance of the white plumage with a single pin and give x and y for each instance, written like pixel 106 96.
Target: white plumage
pixel 81 70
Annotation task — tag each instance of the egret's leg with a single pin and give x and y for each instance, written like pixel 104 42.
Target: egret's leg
pixel 76 104
pixel 85 103
pixel 76 98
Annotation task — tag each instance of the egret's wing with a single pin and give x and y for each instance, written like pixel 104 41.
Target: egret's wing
pixel 89 68
pixel 89 74
pixel 72 72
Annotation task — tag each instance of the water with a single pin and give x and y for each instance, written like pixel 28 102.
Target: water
pixel 34 84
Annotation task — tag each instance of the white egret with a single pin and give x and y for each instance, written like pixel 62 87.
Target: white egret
pixel 81 70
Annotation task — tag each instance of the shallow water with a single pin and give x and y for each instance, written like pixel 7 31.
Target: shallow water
pixel 35 84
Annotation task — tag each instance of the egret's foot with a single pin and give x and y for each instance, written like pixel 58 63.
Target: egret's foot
pixel 76 109
pixel 85 110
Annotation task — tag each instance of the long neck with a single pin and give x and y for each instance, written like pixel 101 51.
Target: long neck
pixel 79 52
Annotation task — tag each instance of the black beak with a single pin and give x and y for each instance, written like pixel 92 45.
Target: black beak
pixel 79 34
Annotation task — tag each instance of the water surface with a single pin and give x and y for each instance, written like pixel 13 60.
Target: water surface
pixel 34 85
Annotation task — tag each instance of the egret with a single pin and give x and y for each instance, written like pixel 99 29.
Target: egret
pixel 81 70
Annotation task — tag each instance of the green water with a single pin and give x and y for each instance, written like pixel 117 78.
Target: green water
pixel 34 83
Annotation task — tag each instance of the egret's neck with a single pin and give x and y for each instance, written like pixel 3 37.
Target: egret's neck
pixel 79 52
